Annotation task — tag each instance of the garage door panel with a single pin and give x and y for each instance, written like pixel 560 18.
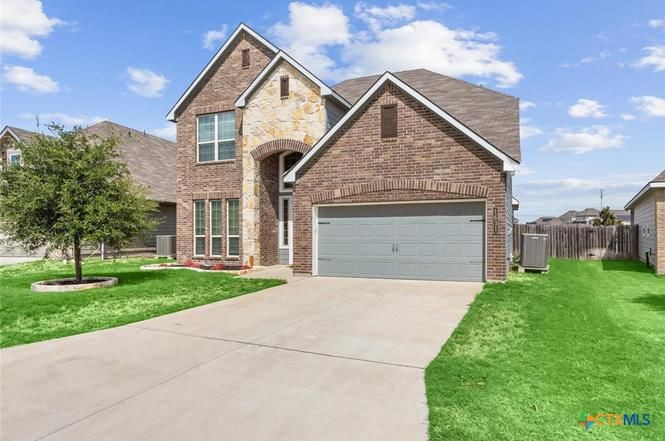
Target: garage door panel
pixel 412 241
pixel 427 249
pixel 473 250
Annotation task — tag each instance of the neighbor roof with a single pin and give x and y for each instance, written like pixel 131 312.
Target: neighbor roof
pixel 17 133
pixel 283 56
pixel 241 28
pixel 151 160
pixel 657 182
pixel 493 115
pixel 509 164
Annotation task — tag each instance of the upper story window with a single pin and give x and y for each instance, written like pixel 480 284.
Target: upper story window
pixel 284 87
pixel 245 58
pixel 286 162
pixel 389 121
pixel 216 137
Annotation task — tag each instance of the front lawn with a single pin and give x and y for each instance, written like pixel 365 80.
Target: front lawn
pixel 532 354
pixel 26 316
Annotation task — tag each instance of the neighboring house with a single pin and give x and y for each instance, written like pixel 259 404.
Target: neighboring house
pixel 546 220
pixel 402 175
pixel 149 159
pixel 647 209
pixel 585 216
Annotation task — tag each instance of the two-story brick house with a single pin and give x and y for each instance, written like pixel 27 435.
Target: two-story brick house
pixel 404 175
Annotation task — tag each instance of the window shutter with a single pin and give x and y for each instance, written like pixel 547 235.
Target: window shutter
pixel 284 87
pixel 389 121
pixel 245 58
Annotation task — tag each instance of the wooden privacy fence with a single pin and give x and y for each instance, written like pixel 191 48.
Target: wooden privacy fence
pixel 583 241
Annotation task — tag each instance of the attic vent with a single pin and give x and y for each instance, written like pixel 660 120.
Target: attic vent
pixel 284 87
pixel 245 58
pixel 389 121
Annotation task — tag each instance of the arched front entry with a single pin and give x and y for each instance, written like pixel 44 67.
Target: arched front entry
pixel 274 159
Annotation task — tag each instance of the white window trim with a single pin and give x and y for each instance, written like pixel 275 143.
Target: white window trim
pixel 198 235
pixel 216 140
pixel 290 222
pixel 12 153
pixel 283 189
pixel 229 236
pixel 221 236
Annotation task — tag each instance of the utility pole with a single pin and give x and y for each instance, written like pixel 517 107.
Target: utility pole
pixel 601 199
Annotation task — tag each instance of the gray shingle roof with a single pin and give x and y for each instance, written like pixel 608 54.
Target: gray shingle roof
pixel 660 177
pixel 493 115
pixel 150 159
pixel 21 133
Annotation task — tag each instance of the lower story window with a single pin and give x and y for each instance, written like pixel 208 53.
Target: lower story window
pixel 216 228
pixel 233 227
pixel 285 223
pixel 199 229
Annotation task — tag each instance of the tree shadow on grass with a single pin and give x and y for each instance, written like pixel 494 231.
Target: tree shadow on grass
pixel 626 265
pixel 133 277
pixel 655 302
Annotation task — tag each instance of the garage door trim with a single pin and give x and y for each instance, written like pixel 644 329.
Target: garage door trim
pixel 315 224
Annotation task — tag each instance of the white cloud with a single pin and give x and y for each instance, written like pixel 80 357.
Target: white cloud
pixel 655 58
pixel 585 108
pixel 166 132
pixel 381 42
pixel 376 17
pixel 21 23
pixel 27 80
pixel 64 118
pixel 210 38
pixel 309 31
pixel 584 140
pixel 524 104
pixel 555 196
pixel 627 116
pixel 523 170
pixel 588 60
pixel 454 52
pixel 433 6
pixel 144 82
pixel 657 23
pixel 527 130
pixel 649 105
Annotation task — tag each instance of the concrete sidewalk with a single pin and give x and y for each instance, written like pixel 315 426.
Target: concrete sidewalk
pixel 318 359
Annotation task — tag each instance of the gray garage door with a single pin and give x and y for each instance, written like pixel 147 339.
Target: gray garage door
pixel 405 241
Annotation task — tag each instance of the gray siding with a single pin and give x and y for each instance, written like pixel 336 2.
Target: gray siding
pixel 334 112
pixel 645 218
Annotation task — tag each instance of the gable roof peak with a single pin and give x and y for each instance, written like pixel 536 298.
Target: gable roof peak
pixel 509 164
pixel 242 27
pixel 283 56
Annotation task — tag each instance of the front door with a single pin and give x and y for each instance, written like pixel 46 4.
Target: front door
pixel 285 234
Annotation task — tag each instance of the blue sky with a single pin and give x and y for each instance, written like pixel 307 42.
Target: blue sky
pixel 591 74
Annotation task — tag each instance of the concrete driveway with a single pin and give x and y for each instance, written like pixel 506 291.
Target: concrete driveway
pixel 317 359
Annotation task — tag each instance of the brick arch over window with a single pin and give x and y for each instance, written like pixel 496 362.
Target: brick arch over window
pixel 277 146
pixel 473 190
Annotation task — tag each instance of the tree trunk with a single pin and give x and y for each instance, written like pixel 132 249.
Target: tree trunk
pixel 77 260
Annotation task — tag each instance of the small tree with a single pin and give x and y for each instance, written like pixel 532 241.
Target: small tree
pixel 606 218
pixel 71 190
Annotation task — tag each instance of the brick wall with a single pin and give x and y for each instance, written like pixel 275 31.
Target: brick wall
pixel 426 148
pixel 269 189
pixel 217 93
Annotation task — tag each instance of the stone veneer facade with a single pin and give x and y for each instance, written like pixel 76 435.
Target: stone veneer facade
pixel 428 160
pixel 268 117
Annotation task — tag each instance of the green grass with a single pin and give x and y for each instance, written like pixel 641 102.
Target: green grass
pixel 27 317
pixel 535 352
